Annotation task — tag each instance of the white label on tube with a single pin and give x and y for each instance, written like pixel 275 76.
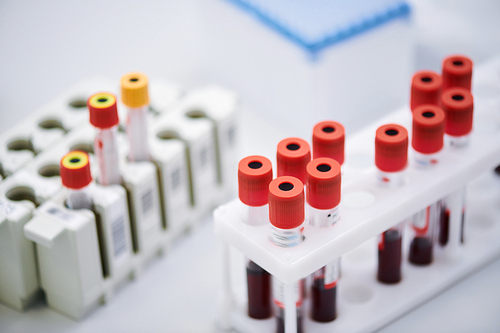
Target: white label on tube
pixel 332 273
pixel 279 292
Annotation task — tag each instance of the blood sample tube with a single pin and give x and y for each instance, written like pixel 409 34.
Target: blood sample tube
pixel 76 178
pixel 328 140
pixel 457 72
pixel 292 158
pixel 323 199
pixel 426 87
pixel 391 158
pixel 287 215
pixel 254 175
pixel 458 105
pixel 134 88
pixel 104 117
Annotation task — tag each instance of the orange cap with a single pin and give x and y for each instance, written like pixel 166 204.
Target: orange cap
pixel 286 202
pixel 323 183
pixel 391 148
pixel 292 158
pixel 134 90
pixel 458 105
pixel 457 72
pixel 75 170
pixel 254 175
pixel 328 140
pixel 428 129
pixel 426 88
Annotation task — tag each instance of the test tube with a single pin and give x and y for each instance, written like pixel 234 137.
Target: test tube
pixel 458 105
pixel 134 88
pixel 391 159
pixel 292 157
pixel 104 117
pixel 328 140
pixel 323 199
pixel 426 87
pixel 286 214
pixel 75 176
pixel 254 175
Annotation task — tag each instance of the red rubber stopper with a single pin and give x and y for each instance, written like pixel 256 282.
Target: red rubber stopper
pixel 74 169
pixel 103 111
pixel 323 183
pixel 458 105
pixel 428 129
pixel 426 88
pixel 254 175
pixel 391 148
pixel 292 158
pixel 457 72
pixel 328 140
pixel 286 202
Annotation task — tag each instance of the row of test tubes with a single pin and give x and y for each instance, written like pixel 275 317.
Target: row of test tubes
pixel 308 191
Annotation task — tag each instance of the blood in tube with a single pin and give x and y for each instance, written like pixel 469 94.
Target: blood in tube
pixel 391 159
pixel 75 176
pixel 254 175
pixel 104 117
pixel 389 256
pixel 287 215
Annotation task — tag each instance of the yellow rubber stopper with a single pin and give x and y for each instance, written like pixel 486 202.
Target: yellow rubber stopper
pixel 75 160
pixel 134 90
pixel 102 100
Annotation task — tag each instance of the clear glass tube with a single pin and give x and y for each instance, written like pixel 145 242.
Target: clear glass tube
pixel 79 199
pixel 137 133
pixel 106 151
pixel 423 225
pixel 389 255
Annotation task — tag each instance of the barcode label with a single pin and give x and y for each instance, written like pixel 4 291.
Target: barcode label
pixel 119 241
pixel 147 201
pixel 203 156
pixel 176 178
pixel 7 208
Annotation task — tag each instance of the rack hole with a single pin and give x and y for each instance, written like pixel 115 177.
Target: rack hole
pixel 255 165
pixel 285 186
pixel 195 114
pixel 78 103
pixel 426 79
pixel 457 97
pixel 86 147
pixel 21 144
pixel 328 129
pixel 21 193
pixel 51 170
pixel 167 135
pixel 428 114
pixel 391 132
pixel 324 168
pixel 51 123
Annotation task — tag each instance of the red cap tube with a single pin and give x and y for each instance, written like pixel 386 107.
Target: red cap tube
pixel 391 148
pixel 292 158
pixel 458 105
pixel 328 140
pixel 103 111
pixel 426 88
pixel 286 202
pixel 254 175
pixel 75 170
pixel 457 72
pixel 428 129
pixel 323 183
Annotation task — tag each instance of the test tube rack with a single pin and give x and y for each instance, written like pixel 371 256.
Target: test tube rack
pixel 192 139
pixel 367 209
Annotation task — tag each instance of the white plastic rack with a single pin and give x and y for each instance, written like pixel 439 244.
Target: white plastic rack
pixel 367 210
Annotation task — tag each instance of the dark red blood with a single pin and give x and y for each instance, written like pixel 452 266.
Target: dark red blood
pixel 444 228
pixel 323 302
pixel 389 258
pixel 259 292
pixel 421 251
pixel 280 322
